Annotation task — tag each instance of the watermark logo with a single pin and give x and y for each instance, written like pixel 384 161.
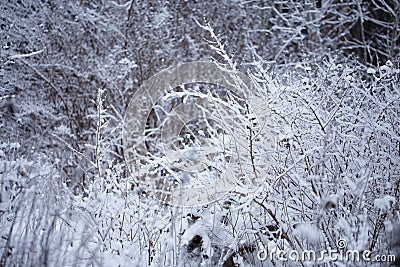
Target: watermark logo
pixel 241 157
pixel 341 253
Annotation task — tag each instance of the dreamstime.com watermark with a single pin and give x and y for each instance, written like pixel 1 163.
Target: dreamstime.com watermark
pixel 327 255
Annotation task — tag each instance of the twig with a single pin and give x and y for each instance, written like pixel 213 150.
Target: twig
pixel 55 89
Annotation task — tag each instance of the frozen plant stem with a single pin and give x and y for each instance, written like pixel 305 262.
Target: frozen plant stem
pixel 98 154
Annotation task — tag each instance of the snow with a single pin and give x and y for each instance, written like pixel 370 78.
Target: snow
pixel 311 232
pixel 69 69
pixel 384 203
pixel 20 56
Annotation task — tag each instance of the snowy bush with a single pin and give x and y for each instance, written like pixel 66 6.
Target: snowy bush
pixel 329 71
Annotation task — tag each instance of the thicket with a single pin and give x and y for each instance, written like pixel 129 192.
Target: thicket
pixel 68 69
